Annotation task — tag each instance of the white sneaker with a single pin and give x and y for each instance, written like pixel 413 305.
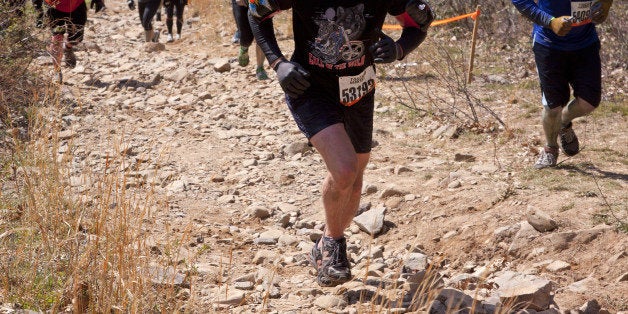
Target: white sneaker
pixel 177 36
pixel 170 39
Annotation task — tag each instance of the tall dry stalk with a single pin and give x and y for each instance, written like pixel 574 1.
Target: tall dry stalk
pixel 70 238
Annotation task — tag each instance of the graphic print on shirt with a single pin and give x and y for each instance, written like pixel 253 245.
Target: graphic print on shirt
pixel 336 45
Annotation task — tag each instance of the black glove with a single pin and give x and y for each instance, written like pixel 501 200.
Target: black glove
pixel 292 78
pixel 158 16
pixel 386 50
pixel 131 4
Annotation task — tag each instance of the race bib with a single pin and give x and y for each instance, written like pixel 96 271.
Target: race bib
pixel 353 88
pixel 581 12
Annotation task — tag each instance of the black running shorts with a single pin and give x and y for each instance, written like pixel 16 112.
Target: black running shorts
pixel 73 23
pixel 314 113
pixel 559 69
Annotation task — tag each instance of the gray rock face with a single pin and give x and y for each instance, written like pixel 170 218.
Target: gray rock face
pixel 523 291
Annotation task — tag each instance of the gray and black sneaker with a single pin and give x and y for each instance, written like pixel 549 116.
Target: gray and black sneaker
pixel 331 262
pixel 569 141
pixel 548 158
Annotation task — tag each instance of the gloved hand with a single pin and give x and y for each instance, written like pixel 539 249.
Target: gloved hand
pixel 599 10
pixel 561 25
pixel 166 4
pixel 386 50
pixel 292 78
pixel 131 4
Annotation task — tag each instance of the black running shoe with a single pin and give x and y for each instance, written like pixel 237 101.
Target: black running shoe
pixel 331 262
pixel 70 57
pixel 569 141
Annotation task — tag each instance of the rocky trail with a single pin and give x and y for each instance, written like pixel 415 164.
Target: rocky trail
pixel 237 188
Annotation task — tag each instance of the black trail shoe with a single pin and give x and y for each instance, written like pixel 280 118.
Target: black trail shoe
pixel 331 262
pixel 569 141
pixel 70 57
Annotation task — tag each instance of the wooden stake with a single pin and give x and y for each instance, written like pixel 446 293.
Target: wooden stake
pixel 473 40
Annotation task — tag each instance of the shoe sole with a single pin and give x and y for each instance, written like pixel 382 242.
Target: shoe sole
pixel 570 153
pixel 331 281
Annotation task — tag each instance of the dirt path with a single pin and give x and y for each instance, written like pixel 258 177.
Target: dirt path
pixel 235 181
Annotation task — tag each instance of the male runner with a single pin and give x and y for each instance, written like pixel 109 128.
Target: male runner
pixel 330 84
pixel 567 52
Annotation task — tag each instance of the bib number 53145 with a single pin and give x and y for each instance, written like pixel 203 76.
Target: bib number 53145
pixel 353 88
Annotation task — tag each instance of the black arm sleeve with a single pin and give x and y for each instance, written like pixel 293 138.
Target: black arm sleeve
pixel 265 37
pixel 411 38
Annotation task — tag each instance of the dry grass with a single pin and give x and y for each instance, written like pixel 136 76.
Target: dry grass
pixel 68 241
pixel 63 245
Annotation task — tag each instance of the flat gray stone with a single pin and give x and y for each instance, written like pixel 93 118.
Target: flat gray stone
pixel 330 302
pixel 557 266
pixel 524 291
pixel 540 220
pixel 222 65
pixel 371 221
pixel 234 298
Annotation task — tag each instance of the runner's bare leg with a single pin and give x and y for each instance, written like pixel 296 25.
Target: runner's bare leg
pixel 343 185
pixel 576 109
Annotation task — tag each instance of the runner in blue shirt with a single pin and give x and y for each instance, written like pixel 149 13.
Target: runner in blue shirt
pixel 567 53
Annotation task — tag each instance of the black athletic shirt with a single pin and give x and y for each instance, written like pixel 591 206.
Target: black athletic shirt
pixel 332 37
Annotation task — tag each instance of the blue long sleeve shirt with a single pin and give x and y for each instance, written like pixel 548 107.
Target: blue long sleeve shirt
pixel 583 33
